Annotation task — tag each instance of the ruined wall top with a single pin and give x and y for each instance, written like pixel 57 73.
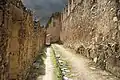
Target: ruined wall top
pixel 54 16
pixel 72 4
pixel 18 3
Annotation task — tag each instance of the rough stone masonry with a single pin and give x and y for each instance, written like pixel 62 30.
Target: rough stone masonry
pixel 54 26
pixel 92 28
pixel 20 40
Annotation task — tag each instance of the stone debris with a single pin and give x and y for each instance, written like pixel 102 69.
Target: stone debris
pixel 115 19
pixel 65 78
pixel 93 68
pixel 64 67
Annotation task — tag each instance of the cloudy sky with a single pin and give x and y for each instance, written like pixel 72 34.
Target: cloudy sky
pixel 44 8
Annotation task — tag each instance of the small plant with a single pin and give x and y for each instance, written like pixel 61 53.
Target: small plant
pixel 58 72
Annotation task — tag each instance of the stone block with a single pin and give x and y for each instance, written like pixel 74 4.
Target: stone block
pixel 17 13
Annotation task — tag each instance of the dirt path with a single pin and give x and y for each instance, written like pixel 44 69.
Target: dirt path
pixel 42 70
pixel 80 66
pixel 49 73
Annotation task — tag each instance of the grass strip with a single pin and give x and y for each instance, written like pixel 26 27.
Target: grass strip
pixel 58 72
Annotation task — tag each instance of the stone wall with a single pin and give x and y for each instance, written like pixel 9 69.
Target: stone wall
pixel 20 42
pixel 3 43
pixel 92 28
pixel 54 27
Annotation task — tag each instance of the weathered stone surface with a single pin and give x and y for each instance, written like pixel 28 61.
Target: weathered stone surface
pixel 91 27
pixel 54 27
pixel 20 43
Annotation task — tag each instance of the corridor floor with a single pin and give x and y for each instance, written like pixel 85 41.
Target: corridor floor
pixel 80 66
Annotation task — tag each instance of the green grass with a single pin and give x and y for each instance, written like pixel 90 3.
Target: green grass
pixel 57 71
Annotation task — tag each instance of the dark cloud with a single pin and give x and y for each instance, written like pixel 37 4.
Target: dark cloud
pixel 44 8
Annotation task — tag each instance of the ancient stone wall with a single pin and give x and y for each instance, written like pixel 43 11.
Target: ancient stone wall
pixel 20 42
pixel 3 42
pixel 92 28
pixel 54 27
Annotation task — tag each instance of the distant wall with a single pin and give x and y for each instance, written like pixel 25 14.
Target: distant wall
pixel 54 27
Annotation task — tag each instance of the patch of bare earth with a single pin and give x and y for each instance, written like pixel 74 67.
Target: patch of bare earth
pixel 81 68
